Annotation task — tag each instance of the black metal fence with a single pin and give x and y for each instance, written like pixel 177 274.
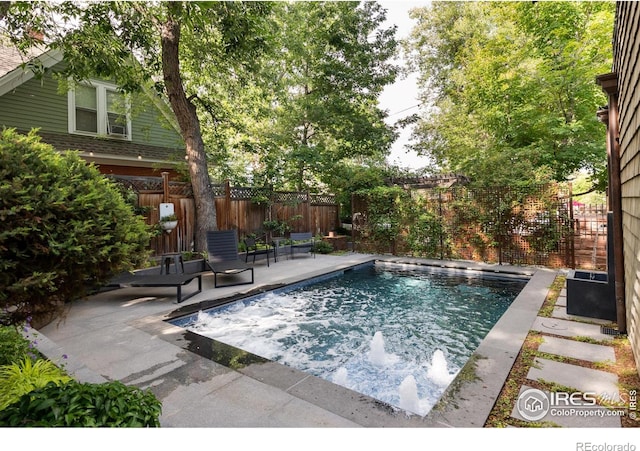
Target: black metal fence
pixel 524 226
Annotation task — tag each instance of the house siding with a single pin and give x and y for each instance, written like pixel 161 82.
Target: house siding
pixel 626 53
pixel 37 103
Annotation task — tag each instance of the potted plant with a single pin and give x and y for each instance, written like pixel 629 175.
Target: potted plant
pixel 169 222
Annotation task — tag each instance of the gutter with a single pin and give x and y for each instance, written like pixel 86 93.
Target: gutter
pixel 609 84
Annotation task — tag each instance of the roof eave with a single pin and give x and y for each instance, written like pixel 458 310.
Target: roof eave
pixel 11 80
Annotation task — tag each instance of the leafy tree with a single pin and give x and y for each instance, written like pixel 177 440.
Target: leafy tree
pixel 511 85
pixel 139 44
pixel 312 105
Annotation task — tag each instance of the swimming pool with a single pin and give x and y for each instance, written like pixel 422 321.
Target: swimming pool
pixel 398 334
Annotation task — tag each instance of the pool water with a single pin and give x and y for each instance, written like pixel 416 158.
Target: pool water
pixel 398 336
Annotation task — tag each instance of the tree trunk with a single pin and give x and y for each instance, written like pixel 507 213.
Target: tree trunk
pixel 187 118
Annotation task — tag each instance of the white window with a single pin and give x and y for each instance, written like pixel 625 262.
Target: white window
pixel 99 109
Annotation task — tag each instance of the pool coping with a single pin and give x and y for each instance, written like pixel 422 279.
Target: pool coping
pixel 466 403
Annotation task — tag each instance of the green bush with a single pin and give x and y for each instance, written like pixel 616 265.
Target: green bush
pixel 13 346
pixel 73 404
pixel 21 378
pixel 425 235
pixel 65 229
pixel 322 247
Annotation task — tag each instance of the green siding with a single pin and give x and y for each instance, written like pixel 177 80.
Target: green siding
pixel 37 104
pixel 150 127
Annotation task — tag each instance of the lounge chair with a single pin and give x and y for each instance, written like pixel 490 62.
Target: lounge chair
pixel 126 280
pixel 256 247
pixel 302 240
pixel 222 249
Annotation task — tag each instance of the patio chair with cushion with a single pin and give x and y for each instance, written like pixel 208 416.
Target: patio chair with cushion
pixel 302 241
pixel 257 247
pixel 223 258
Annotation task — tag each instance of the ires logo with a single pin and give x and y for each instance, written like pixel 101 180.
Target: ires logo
pixel 534 405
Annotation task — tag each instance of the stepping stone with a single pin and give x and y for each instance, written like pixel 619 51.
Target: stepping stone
pixel 567 328
pixel 601 383
pixel 562 299
pixel 580 417
pixel 561 313
pixel 577 350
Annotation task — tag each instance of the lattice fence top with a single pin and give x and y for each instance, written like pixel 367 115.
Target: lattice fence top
pixel 139 184
pixel 265 193
pixel 218 190
pixel 153 185
pixel 323 199
pixel 182 189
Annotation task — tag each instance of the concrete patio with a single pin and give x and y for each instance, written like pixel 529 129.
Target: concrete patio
pixel 122 335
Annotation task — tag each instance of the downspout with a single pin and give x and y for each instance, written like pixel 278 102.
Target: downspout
pixel 609 84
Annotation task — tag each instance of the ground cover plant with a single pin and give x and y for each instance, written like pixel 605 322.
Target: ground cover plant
pixel 74 404
pixel 35 391
pixel 13 346
pixel 18 379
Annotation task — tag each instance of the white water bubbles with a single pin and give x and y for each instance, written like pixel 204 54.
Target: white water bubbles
pixel 408 385
pixel 438 371
pixel 377 354
pixel 408 392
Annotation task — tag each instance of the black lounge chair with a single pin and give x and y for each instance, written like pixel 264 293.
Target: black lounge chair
pixel 257 247
pixel 126 280
pixel 302 240
pixel 223 258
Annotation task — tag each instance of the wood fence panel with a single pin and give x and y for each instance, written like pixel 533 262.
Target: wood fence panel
pixel 241 208
pixel 590 236
pixel 324 218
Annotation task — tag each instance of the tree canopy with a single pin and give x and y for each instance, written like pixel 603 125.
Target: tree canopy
pixel 310 104
pixel 277 93
pixel 510 87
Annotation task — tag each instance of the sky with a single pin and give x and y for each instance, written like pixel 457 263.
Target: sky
pixel 400 99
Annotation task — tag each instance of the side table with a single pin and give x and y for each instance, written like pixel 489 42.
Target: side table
pixel 167 260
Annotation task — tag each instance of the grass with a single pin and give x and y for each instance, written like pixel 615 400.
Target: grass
pixel 624 367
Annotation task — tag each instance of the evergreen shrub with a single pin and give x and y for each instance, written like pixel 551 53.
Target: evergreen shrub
pixel 64 228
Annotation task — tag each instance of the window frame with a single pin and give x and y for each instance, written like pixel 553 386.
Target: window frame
pixel 102 113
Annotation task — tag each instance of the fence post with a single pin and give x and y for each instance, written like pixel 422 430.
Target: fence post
pixel 572 248
pixel 441 222
pixel 227 204
pixel 165 187
pixel 308 214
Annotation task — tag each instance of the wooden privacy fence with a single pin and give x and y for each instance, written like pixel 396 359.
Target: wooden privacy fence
pixel 151 192
pixel 501 224
pixel 247 209
pixel 590 236
pixel 241 208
